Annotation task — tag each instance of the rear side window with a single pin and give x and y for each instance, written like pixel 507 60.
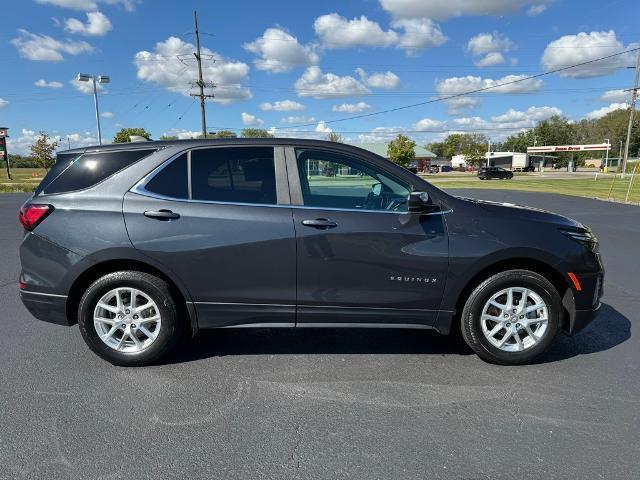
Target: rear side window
pixel 172 180
pixel 89 169
pixel 234 174
pixel 223 174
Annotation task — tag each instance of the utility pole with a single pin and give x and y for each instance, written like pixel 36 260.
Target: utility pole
pixel 632 109
pixel 200 83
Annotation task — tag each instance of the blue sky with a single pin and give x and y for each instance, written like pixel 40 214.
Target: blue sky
pixel 296 67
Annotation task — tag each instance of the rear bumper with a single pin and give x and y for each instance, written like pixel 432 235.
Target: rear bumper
pixel 46 307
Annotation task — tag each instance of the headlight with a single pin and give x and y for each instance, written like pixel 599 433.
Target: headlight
pixel 582 236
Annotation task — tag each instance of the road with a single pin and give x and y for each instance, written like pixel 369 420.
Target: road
pixel 329 404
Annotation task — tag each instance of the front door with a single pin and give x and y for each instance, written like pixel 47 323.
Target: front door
pixel 218 219
pixel 362 257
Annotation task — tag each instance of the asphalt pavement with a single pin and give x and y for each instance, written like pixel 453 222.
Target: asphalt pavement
pixel 330 404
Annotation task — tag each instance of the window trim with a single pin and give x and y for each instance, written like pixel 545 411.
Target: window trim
pixel 296 184
pixel 282 184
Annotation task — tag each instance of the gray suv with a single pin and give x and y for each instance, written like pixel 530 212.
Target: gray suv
pixel 140 243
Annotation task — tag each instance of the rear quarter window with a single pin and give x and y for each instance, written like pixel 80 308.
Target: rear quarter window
pixel 84 171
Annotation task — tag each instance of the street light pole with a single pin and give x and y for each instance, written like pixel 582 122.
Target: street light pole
pixel 95 101
pixel 632 108
pixel 95 79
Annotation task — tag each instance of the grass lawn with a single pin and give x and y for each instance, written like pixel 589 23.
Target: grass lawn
pixel 23 179
pixel 580 187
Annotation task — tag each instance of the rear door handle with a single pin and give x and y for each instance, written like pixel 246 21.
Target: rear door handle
pixel 162 214
pixel 320 223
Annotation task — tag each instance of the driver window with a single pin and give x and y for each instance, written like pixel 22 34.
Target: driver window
pixel 333 180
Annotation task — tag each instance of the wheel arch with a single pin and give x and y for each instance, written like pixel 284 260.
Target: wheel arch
pixel 97 270
pixel 547 270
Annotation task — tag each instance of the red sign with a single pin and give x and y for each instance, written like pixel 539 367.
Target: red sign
pixel 570 148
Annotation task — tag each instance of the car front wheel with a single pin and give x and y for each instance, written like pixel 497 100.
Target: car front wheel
pixel 129 318
pixel 512 317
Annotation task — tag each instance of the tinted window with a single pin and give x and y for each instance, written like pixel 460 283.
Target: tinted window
pixel 91 168
pixel 171 181
pixel 233 174
pixel 333 180
pixel 63 160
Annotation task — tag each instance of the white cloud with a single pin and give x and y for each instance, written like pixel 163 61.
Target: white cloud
pixel 338 32
pixel 85 87
pixel 106 115
pixel 251 120
pixel 426 124
pixel 458 104
pixel 461 85
pixel 282 106
pixel 163 68
pixel 97 25
pixel 490 60
pixel 444 9
pixel 601 112
pixel 351 107
pixel 3 103
pixel 20 144
pixel 616 96
pixel 584 47
pixel 298 119
pixel 385 80
pixel 381 134
pixel 47 49
pixel 488 48
pixel 90 5
pixel 419 33
pixel 534 10
pixel 280 52
pixel 528 118
pixel 314 83
pixel 182 134
pixel 322 127
pixel 42 83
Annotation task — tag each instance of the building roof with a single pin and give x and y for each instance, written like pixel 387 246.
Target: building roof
pixel 381 149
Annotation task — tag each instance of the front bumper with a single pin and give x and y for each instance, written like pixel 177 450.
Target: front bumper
pixel 584 306
pixel 46 307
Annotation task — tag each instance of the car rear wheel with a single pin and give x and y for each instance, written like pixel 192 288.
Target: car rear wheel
pixel 129 318
pixel 512 317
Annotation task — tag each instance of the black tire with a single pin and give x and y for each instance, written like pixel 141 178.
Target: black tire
pixel 158 290
pixel 471 324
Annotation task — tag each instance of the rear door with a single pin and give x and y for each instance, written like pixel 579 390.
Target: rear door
pixel 362 257
pixel 219 218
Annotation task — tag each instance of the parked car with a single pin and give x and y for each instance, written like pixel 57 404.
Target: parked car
pixel 487 173
pixel 413 167
pixel 446 168
pixel 139 243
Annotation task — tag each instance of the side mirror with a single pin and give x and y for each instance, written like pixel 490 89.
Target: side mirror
pixel 419 202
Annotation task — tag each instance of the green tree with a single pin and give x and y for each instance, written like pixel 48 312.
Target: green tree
pixel 43 151
pixel 474 148
pixel 169 137
pixel 401 150
pixel 255 133
pixel 222 134
pixel 123 136
pixel 334 137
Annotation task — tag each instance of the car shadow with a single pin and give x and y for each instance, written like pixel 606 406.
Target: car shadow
pixel 610 329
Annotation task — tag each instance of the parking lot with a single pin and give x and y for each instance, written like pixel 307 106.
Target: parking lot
pixel 362 404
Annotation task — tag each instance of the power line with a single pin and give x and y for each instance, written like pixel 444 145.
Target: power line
pixel 477 90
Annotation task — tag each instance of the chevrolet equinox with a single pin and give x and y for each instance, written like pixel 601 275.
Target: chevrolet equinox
pixel 139 242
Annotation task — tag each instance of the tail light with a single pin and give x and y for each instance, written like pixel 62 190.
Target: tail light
pixel 32 214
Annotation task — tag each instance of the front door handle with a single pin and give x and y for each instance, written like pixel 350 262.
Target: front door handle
pixel 320 223
pixel 162 214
